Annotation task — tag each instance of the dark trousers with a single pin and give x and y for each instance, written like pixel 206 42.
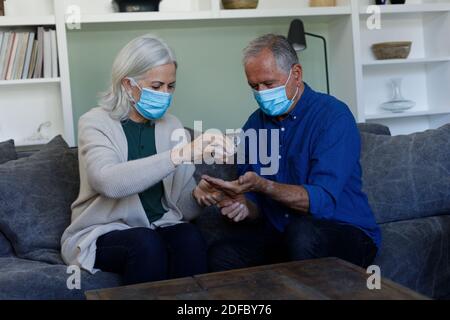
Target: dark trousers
pixel 305 238
pixel 145 255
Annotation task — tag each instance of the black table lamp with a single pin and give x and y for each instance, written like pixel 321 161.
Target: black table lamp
pixel 297 38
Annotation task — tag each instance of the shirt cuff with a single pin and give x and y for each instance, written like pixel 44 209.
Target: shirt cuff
pixel 315 199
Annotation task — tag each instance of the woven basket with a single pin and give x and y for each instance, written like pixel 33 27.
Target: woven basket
pixel 322 3
pixel 240 4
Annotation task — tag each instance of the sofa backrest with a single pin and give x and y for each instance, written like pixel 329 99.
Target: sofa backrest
pixel 401 174
pixel 407 176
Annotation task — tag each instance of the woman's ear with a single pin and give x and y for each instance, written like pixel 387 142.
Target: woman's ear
pixel 126 83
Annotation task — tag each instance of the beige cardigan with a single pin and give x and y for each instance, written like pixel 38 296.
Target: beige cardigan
pixel 109 185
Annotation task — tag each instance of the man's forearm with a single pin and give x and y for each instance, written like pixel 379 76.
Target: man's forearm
pixel 292 196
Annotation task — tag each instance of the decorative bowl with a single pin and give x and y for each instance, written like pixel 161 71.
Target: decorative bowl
pixel 392 50
pixel 239 4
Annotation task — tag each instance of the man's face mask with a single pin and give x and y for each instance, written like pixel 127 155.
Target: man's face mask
pixel 274 102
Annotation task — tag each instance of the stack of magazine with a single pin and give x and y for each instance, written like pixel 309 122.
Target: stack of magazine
pixel 28 54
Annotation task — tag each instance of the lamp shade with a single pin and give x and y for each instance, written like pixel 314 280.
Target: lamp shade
pixel 296 36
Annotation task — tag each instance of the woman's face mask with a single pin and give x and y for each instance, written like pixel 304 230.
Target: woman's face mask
pixel 274 102
pixel 153 104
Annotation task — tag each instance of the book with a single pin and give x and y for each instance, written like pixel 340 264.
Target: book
pixel 47 54
pixel 33 59
pixel 8 55
pixel 12 57
pixel 39 57
pixel 3 50
pixel 27 61
pixel 1 38
pixel 21 54
pixel 54 47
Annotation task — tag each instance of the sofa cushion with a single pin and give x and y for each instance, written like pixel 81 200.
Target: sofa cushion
pixel 374 128
pixel 5 246
pixel 416 254
pixel 26 279
pixel 407 176
pixel 35 198
pixel 7 151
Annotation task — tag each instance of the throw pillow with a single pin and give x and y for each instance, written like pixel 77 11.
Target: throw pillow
pixel 7 151
pixel 407 176
pixel 35 197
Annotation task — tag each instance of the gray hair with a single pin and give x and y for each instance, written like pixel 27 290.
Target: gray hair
pixel 134 60
pixel 282 50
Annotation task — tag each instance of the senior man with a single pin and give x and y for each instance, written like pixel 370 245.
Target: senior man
pixel 313 206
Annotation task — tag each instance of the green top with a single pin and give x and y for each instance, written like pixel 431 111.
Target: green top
pixel 141 144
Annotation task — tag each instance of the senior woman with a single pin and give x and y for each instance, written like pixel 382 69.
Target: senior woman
pixel 137 188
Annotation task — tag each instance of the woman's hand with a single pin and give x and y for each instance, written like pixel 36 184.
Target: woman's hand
pixel 206 195
pixel 235 207
pixel 208 145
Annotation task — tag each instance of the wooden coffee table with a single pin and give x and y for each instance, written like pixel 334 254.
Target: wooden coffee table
pixel 320 279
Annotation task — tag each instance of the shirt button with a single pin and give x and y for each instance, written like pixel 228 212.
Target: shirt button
pixel 295 117
pixel 282 129
pixel 286 216
pixel 279 157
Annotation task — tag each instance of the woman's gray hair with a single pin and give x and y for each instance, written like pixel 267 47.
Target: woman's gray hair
pixel 134 60
pixel 282 50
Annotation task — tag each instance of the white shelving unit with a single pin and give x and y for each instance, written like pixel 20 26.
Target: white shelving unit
pixel 356 77
pixel 425 73
pixel 25 104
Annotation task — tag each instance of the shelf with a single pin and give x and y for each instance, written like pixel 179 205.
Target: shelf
pixel 326 12
pixel 405 61
pixel 12 21
pixel 145 16
pixel 29 81
pixel 297 12
pixel 390 115
pixel 410 8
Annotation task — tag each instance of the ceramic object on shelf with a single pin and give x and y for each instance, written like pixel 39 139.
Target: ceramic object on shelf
pixel 392 50
pixel 322 3
pixel 137 5
pixel 239 4
pixel 397 104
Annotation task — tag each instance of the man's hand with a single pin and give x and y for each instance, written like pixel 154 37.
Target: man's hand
pixel 206 194
pixel 249 182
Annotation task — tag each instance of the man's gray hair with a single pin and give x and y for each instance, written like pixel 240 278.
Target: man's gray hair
pixel 134 60
pixel 282 50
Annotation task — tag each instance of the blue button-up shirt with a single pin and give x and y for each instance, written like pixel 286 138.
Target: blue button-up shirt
pixel 319 149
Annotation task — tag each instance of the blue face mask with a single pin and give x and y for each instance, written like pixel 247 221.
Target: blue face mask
pixel 153 104
pixel 274 102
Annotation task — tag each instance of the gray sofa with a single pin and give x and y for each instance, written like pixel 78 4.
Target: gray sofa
pixel 407 179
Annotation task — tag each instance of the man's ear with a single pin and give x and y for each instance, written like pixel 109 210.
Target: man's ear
pixel 298 73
